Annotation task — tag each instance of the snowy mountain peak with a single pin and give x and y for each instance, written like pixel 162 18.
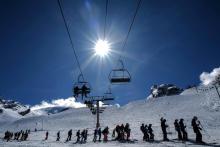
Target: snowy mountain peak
pixel 14 106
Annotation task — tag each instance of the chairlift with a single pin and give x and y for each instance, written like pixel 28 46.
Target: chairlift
pixel 119 75
pixel 81 87
pixel 108 94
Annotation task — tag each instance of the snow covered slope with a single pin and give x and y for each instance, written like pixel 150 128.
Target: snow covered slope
pixel 186 105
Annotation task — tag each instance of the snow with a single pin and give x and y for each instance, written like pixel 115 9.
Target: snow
pixel 190 103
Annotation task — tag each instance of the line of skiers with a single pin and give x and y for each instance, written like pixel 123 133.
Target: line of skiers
pixel 21 135
pixel 81 136
pixel 122 133
pixel 180 127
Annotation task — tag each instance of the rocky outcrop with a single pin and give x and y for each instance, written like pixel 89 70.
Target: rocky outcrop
pixel 165 90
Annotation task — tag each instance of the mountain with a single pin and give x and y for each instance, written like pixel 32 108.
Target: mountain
pixel 202 102
pixel 13 106
pixel 164 90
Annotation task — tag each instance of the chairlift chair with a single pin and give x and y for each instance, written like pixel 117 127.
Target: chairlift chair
pixel 81 87
pixel 108 94
pixel 119 75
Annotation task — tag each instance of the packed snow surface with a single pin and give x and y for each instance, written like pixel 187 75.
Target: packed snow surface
pixel 190 103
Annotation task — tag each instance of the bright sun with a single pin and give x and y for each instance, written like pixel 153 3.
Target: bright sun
pixel 102 48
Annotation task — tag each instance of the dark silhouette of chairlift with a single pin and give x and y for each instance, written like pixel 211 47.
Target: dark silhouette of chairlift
pixel 119 75
pixel 108 94
pixel 80 83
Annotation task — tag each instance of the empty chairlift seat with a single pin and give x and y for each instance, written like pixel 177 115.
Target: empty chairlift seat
pixel 120 75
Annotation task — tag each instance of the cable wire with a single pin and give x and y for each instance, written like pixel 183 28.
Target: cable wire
pixel 106 13
pixel 70 38
pixel 126 38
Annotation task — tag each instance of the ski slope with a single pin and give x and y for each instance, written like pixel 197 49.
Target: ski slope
pixel 186 105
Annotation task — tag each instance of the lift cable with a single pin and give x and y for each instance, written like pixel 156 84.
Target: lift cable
pixel 126 38
pixel 121 75
pixel 106 13
pixel 70 38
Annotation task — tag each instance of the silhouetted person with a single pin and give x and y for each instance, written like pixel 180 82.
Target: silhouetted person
pixel 15 135
pixel 7 136
pixel 150 131
pixel 22 136
pixel 142 128
pixel 86 135
pixel 146 135
pixel 127 131
pixel 18 135
pixel 122 132
pixel 58 136
pixel 78 136
pixel 196 128
pixel 76 91
pixel 105 133
pixel 85 91
pixel 95 135
pixel 100 133
pixel 164 129
pixel 26 135
pixel 177 128
pixel 46 137
pixel 83 136
pixel 69 135
pixel 183 130
pixel 117 130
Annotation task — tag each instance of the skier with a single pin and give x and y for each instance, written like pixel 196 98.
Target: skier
pixel 183 130
pixel 47 133
pixel 127 131
pixel 78 136
pixel 95 135
pixel 15 135
pixel 122 132
pixel 6 137
pixel 25 135
pixel 86 135
pixel 150 130
pixel 83 136
pixel 142 128
pixel 196 128
pixel 19 134
pixel 105 132
pixel 58 136
pixel 146 135
pixel 177 128
pixel 164 129
pixel 100 134
pixel 22 136
pixel 69 135
pixel 113 133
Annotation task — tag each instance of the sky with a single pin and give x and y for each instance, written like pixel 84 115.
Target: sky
pixel 171 42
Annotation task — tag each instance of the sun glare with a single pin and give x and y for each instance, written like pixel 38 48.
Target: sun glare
pixel 102 48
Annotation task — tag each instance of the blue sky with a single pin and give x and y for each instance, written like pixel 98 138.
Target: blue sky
pixel 170 42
